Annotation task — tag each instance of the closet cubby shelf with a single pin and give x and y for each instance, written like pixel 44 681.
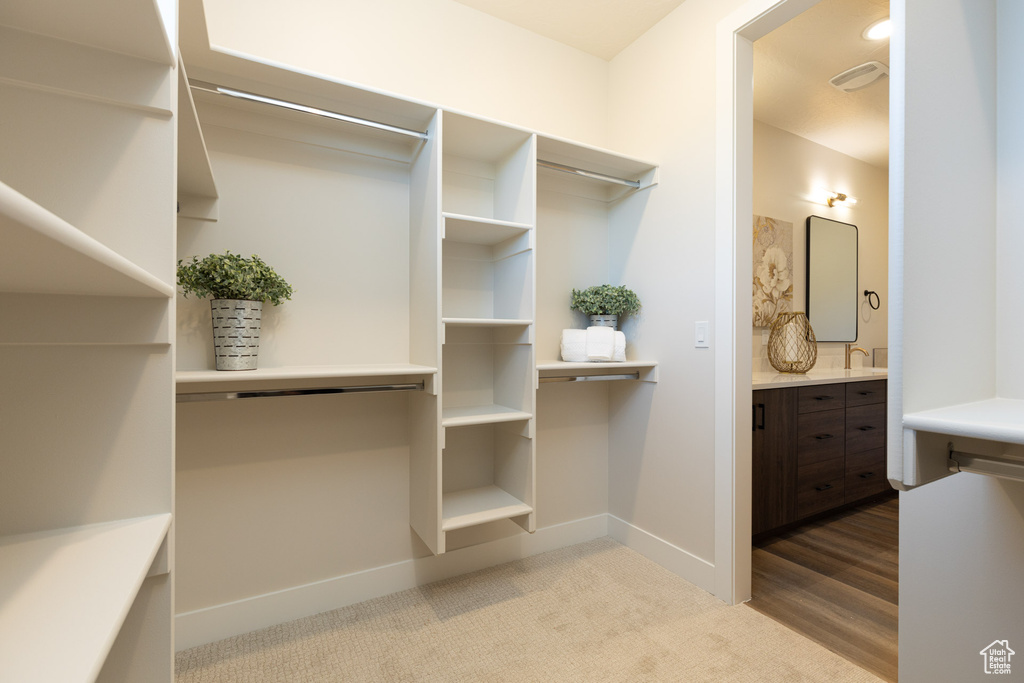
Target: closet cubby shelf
pixel 478 415
pixel 471 507
pixel 647 370
pixel 90 23
pixel 44 254
pixel 475 230
pixel 296 376
pixel 995 419
pixel 68 592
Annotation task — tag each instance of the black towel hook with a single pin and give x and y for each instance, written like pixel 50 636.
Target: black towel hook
pixel 878 302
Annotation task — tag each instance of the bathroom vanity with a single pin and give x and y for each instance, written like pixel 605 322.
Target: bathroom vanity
pixel 818 443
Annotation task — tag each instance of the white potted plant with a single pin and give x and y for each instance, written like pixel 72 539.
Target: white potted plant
pixel 239 286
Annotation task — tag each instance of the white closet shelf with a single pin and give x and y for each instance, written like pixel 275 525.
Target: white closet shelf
pixel 296 375
pixel 44 254
pixel 475 230
pixel 479 415
pixel 98 23
pixel 66 594
pixel 646 371
pixel 486 322
pixel 471 507
pixel 995 419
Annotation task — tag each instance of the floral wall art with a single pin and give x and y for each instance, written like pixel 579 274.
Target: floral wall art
pixel 773 269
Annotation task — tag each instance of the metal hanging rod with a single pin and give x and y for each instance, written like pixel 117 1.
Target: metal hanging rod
pixel 294 106
pixel 981 464
pixel 358 389
pixel 590 378
pixel 588 174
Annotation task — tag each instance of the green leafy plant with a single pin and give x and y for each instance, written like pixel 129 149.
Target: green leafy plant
pixel 230 276
pixel 605 300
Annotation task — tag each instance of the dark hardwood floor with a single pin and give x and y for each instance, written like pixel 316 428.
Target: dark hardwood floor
pixel 835 581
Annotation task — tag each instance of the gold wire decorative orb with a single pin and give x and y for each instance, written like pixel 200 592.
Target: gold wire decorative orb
pixel 791 344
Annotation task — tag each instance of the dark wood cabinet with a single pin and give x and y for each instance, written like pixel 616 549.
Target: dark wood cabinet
pixel 816 448
pixel 774 458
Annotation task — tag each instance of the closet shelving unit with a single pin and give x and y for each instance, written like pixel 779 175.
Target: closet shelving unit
pixel 472 278
pixel 487 298
pixel 86 222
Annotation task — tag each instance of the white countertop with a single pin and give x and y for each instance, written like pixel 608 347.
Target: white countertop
pixel 776 380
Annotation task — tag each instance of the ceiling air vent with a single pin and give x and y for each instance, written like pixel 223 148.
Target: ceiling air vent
pixel 859 76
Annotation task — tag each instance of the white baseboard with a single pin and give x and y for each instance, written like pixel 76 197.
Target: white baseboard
pixel 697 571
pixel 230 619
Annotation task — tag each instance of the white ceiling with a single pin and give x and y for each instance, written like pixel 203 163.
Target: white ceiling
pixel 792 65
pixel 600 27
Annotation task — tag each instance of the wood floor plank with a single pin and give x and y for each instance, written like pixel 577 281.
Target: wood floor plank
pixel 836 582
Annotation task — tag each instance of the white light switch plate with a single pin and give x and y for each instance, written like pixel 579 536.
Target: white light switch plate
pixel 701 334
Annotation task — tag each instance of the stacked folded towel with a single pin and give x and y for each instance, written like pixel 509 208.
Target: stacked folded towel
pixel 601 344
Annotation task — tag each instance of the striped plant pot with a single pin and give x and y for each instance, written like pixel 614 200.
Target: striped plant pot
pixel 604 321
pixel 236 333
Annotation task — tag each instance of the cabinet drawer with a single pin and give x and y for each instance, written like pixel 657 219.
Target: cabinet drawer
pixel 820 397
pixel 864 393
pixel 865 428
pixel 820 436
pixel 865 474
pixel 820 487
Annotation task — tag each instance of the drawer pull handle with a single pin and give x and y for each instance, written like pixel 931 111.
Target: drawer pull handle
pixel 866 428
pixel 822 398
pixel 826 487
pixel 865 393
pixel 866 475
pixel 824 437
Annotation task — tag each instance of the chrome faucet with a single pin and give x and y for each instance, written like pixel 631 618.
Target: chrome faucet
pixel 849 352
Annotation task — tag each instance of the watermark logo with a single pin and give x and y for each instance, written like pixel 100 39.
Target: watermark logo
pixel 997 657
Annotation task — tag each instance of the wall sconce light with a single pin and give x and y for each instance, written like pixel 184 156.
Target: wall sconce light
pixel 841 199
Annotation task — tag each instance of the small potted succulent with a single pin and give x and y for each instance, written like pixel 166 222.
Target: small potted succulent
pixel 605 303
pixel 239 286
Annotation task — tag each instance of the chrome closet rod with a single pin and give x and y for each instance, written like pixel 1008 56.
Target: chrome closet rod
pixel 294 106
pixel 588 174
pixel 981 464
pixel 270 393
pixel 590 378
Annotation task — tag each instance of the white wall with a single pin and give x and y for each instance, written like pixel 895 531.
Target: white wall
pixel 661 104
pixel 787 170
pixel 436 51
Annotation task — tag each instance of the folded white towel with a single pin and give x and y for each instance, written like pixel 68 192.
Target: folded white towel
pixel 600 343
pixel 574 346
pixel 619 355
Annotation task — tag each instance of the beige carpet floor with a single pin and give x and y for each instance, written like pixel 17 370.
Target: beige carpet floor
pixel 596 611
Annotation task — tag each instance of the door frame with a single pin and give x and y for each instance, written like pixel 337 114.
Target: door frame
pixel 734 115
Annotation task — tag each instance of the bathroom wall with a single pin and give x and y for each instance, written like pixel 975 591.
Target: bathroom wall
pixel 787 171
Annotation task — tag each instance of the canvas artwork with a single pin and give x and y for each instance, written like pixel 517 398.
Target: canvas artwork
pixel 773 269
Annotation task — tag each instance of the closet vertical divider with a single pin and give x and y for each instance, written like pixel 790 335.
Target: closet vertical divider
pixel 484 460
pixel 425 338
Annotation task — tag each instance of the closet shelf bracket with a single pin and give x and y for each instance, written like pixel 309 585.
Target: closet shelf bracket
pixel 273 393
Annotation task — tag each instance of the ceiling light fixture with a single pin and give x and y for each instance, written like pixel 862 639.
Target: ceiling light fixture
pixel 878 30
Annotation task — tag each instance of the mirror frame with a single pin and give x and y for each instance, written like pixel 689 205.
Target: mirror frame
pixel 854 294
